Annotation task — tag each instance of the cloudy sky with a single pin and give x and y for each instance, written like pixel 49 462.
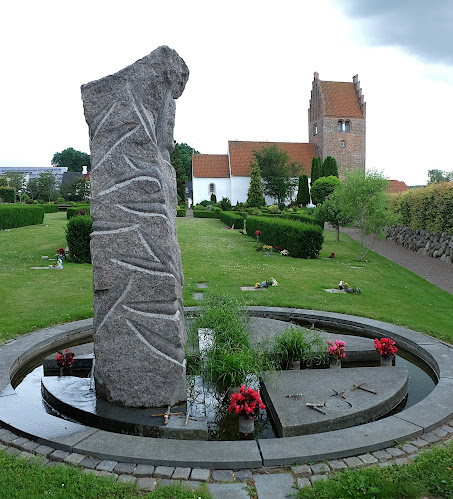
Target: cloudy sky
pixel 251 65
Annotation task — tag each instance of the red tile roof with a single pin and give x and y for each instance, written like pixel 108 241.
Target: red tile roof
pixel 210 165
pixel 341 99
pixel 241 155
pixel 396 186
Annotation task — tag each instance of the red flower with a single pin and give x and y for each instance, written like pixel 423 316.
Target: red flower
pixel 257 232
pixel 65 359
pixel 245 402
pixel 386 347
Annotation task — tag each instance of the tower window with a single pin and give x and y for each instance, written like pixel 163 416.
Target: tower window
pixel 315 129
pixel 347 126
pixel 340 125
pixel 342 143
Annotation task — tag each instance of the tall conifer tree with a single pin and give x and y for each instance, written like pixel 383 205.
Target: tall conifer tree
pixel 303 193
pixel 255 197
pixel 315 169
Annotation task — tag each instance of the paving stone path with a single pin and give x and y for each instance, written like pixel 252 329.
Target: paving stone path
pixel 265 483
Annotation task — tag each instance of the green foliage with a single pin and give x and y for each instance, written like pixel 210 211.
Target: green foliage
pixel 303 217
pixel 16 180
pixel 225 204
pixel 78 231
pixel 300 239
pixel 315 169
pixel 438 176
pixel 255 196
pixel 74 211
pixel 32 188
pixel 181 211
pixel 329 167
pixel 73 159
pixel 303 193
pixel 231 218
pixel 177 161
pixel 323 187
pixel 182 156
pixel 206 214
pixel 273 209
pixel 213 198
pixel 7 194
pixel 428 208
pixel 332 211
pixel 3 181
pixel 20 215
pixel 295 343
pixel 276 172
pixel 76 190
pixel 45 185
pixel 50 208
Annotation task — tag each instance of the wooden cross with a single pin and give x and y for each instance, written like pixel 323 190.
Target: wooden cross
pixel 363 388
pixel 338 394
pixel 166 415
pixel 317 407
pixel 295 396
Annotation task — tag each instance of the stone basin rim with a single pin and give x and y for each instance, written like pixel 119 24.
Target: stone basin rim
pixel 433 411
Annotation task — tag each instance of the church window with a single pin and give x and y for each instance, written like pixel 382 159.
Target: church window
pixel 347 126
pixel 315 129
pixel 211 188
pixel 340 125
pixel 342 143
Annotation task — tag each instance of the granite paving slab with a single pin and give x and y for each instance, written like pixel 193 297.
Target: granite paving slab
pixel 274 486
pixel 228 491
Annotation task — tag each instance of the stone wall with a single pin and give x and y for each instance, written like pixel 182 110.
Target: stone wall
pixel 422 241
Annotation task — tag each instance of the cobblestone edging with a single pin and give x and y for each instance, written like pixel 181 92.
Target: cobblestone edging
pixel 423 242
pixel 148 477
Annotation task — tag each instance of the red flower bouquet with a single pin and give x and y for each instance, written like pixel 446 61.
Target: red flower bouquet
pixel 386 347
pixel 65 359
pixel 247 402
pixel 337 349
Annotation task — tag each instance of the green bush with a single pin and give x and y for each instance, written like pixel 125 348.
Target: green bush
pixel 225 204
pixel 19 215
pixel 74 211
pixel 323 187
pixel 303 217
pixel 300 239
pixel 273 209
pixel 181 212
pixel 7 194
pixel 231 218
pixel 78 231
pixel 205 213
pixel 50 208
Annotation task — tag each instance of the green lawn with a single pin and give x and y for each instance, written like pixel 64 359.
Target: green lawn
pixel 32 299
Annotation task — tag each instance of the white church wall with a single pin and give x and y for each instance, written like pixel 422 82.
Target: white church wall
pixel 201 188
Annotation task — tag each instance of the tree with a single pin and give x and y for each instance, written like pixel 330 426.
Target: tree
pixel 315 169
pixel 73 159
pixel 181 177
pixel 276 171
pixel 332 210
pixel 76 190
pixel 183 152
pixel 303 193
pixel 46 185
pixel 323 187
pixel 365 203
pixel 32 188
pixel 329 167
pixel 255 197
pixel 437 176
pixel 16 180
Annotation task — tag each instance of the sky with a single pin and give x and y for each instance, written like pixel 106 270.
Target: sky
pixel 251 69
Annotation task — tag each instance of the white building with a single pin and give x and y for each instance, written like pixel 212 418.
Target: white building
pixel 34 171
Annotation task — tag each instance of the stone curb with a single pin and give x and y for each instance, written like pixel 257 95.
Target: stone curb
pixel 56 434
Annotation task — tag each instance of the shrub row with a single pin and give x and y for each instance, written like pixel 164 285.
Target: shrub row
pixel 19 215
pixel 7 194
pixel 72 212
pixel 78 231
pixel 232 218
pixel 302 217
pixel 300 239
pixel 50 208
pixel 206 214
pixel 181 212
pixel 428 208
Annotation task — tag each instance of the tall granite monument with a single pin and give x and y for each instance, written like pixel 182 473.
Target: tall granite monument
pixel 138 310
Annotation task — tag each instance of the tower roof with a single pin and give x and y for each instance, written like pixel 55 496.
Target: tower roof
pixel 341 99
pixel 210 165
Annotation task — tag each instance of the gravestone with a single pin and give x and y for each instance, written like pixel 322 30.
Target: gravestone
pixel 138 311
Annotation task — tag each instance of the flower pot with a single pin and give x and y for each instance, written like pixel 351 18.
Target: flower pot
pixel 387 361
pixel 335 363
pixel 293 365
pixel 267 252
pixel 246 425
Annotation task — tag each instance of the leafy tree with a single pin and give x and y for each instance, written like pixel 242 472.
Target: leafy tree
pixel 323 187
pixel 255 197
pixel 76 190
pixel 332 210
pixel 46 186
pixel 3 181
pixel 16 180
pixel 365 203
pixel 303 193
pixel 181 177
pixel 32 188
pixel 71 158
pixel 437 176
pixel 276 172
pixel 329 167
pixel 182 154
pixel 315 169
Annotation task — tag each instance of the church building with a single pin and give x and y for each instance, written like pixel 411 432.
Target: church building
pixel 336 124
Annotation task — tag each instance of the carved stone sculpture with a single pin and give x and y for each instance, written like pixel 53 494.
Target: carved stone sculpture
pixel 138 311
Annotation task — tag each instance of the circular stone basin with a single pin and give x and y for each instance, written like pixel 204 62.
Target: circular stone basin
pixel 334 392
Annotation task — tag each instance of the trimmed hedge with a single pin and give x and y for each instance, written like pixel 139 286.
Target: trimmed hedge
pixel 50 207
pixel 206 214
pixel 7 194
pixel 231 218
pixel 78 231
pixel 181 212
pixel 429 207
pixel 20 215
pixel 74 211
pixel 302 217
pixel 300 239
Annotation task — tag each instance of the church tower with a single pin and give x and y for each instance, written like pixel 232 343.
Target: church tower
pixel 337 122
